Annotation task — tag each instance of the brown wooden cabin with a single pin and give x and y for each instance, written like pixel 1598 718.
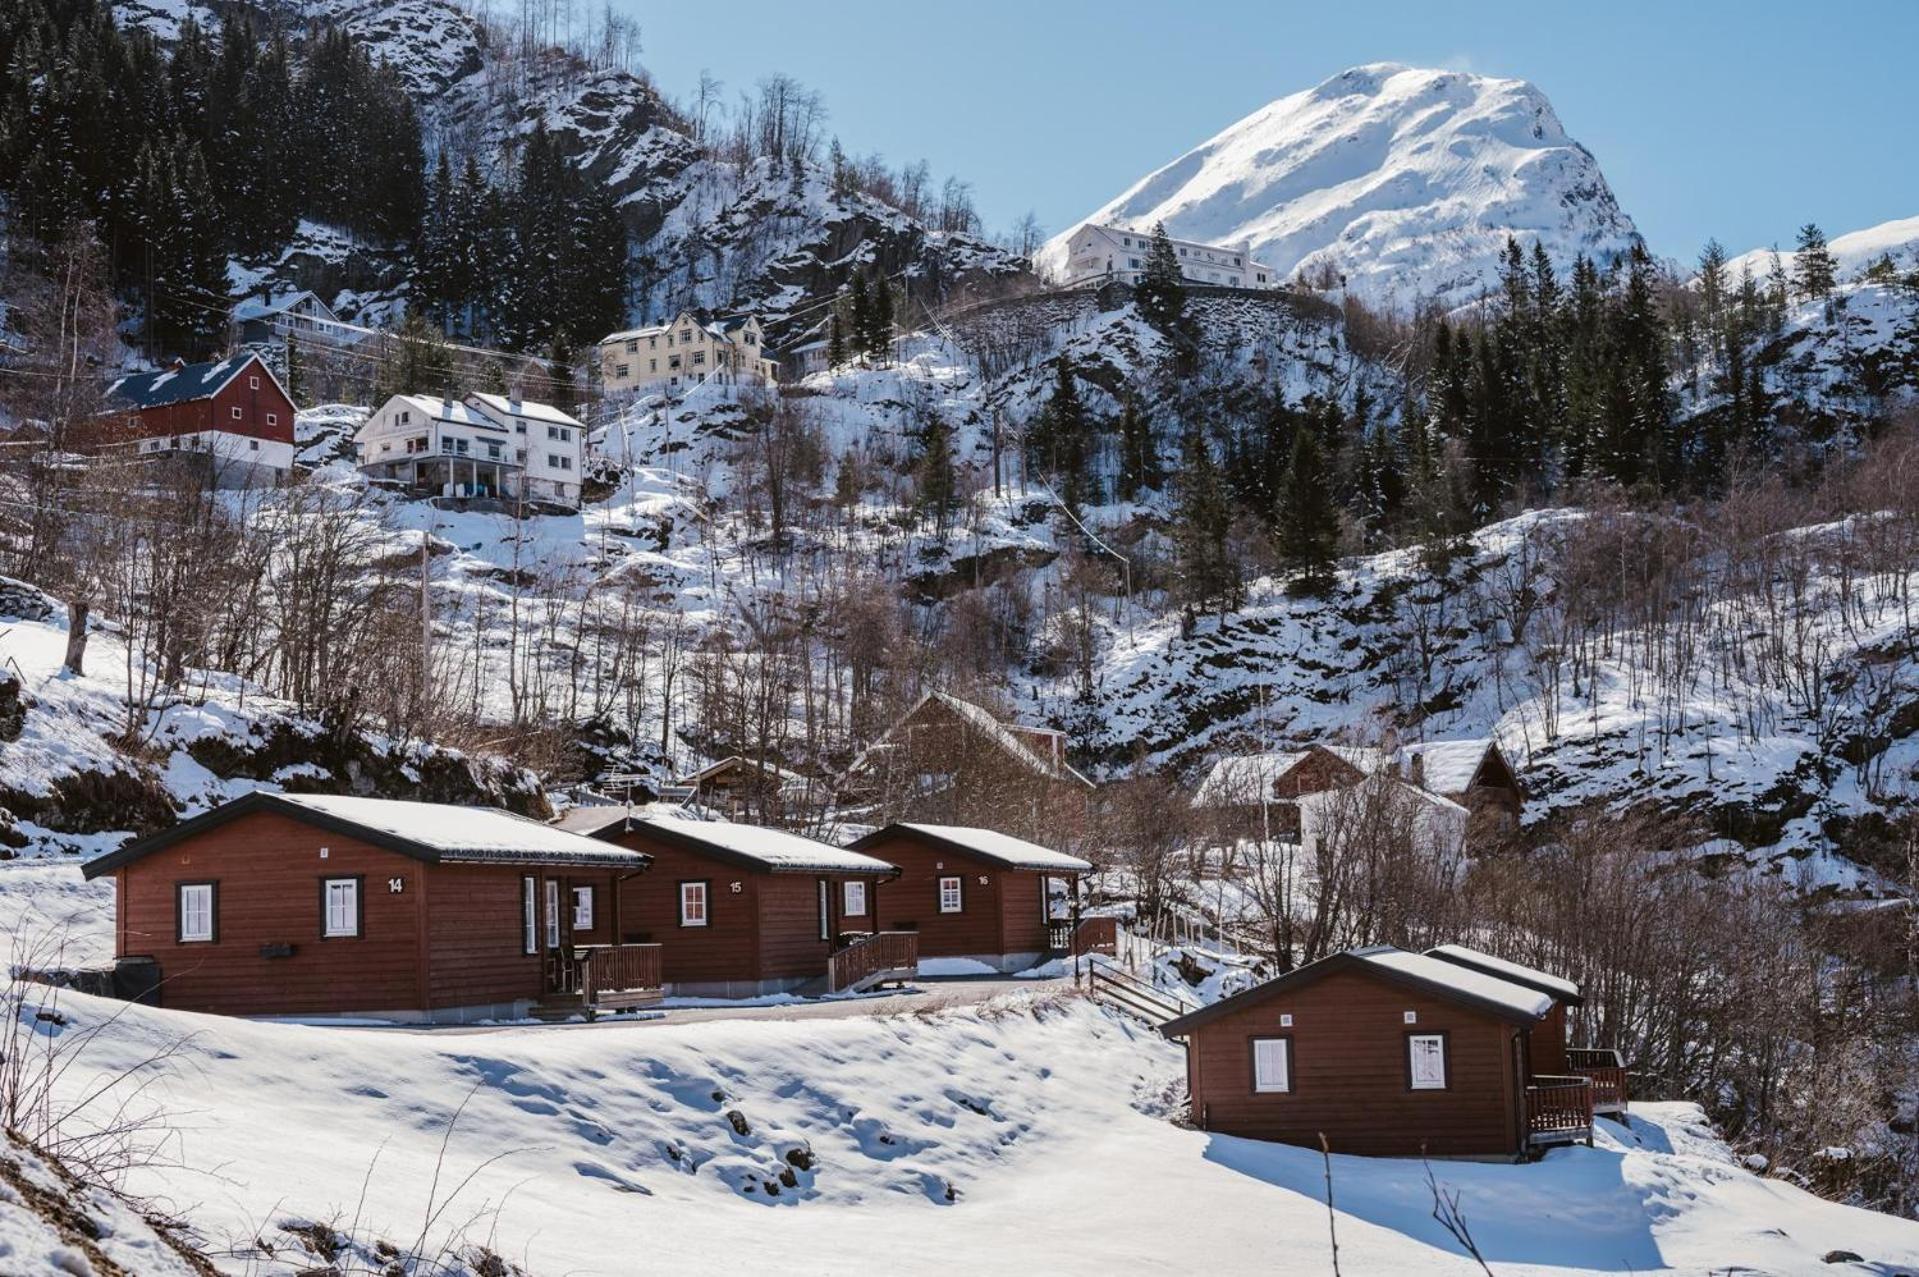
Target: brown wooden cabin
pixel 318 905
pixel 744 911
pixel 975 893
pixel 1259 793
pixel 1552 1054
pixel 1385 1053
pixel 1474 774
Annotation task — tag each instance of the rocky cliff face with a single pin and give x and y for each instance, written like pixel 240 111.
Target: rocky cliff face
pixel 1402 183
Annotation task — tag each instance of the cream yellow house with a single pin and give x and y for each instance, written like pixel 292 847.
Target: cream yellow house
pixel 670 358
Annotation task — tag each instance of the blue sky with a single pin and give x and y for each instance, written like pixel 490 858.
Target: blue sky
pixel 1709 117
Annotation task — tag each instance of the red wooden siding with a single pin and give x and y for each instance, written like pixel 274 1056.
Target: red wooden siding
pixel 1001 914
pixel 1350 1072
pixel 269 872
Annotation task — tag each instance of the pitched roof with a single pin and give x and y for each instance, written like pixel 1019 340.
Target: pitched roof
pixel 432 832
pixel 453 411
pixel 1556 987
pixel 183 383
pixel 756 848
pixel 1393 784
pixel 1472 989
pixel 527 408
pixel 1247 778
pixel 987 844
pixel 1446 766
pixel 254 307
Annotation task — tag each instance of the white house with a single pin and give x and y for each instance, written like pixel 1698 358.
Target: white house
pixel 1382 809
pixel 271 317
pixel 481 446
pixel 672 357
pixel 1096 253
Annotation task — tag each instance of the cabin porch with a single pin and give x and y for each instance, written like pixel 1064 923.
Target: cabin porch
pixel 1560 1107
pixel 587 979
pixel 1606 1070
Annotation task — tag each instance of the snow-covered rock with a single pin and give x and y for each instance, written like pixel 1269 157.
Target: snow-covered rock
pixel 1852 252
pixel 1404 182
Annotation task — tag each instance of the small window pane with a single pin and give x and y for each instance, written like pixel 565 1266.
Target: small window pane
pixel 855 899
pixel 196 913
pixel 950 899
pixel 1272 1064
pixel 552 913
pixel 1428 1061
pixel 529 916
pixel 583 908
pixel 342 907
pixel 692 904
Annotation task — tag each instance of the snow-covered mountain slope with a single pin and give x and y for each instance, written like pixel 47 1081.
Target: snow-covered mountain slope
pixel 1405 182
pixel 1853 251
pixel 1020 1135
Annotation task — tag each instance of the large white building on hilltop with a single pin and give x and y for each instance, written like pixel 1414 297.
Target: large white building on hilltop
pixel 480 446
pixel 688 352
pixel 1097 253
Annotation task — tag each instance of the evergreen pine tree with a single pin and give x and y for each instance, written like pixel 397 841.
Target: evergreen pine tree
pixel 1139 468
pixel 879 339
pixel 934 472
pixel 1062 446
pixel 1202 528
pixel 1161 294
pixel 859 321
pixel 1307 522
pixel 835 340
pixel 1814 271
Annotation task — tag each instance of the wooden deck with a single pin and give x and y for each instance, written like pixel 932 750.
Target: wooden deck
pixel 589 978
pixel 876 959
pixel 1559 1110
pixel 1603 1066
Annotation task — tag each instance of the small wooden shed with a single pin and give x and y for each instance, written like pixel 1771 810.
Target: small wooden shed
pixel 1383 1052
pixel 744 911
pixel 977 894
pixel 320 905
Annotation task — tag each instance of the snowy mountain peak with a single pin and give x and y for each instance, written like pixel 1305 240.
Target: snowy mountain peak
pixel 1404 181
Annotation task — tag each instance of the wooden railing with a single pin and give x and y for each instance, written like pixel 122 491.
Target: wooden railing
pixel 881 952
pixel 618 973
pixel 1108 984
pixel 1558 1105
pixel 1059 935
pixel 1603 1066
pixel 1098 935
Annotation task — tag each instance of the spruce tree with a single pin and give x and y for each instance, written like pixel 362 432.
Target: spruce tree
pixel 879 337
pixel 1062 445
pixel 1202 528
pixel 1814 271
pixel 934 472
pixel 859 320
pixel 1161 293
pixel 1139 468
pixel 835 340
pixel 1307 521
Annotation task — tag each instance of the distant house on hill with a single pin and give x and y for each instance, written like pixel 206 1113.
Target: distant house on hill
pixel 689 351
pixel 1266 790
pixel 740 788
pixel 951 761
pixel 270 317
pixel 481 446
pixel 233 413
pixel 1096 253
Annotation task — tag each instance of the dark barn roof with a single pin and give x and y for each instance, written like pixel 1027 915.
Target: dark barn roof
pixel 182 383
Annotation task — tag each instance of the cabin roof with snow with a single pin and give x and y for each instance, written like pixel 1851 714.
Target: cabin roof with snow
pixel 987 844
pixel 432 832
pixel 454 411
pixel 1396 785
pixel 1476 990
pixel 182 383
pixel 749 846
pixel 1555 987
pixel 1453 766
pixel 1004 735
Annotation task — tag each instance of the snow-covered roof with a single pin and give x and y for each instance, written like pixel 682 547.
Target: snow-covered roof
pixel 426 831
pixel 1246 778
pixel 1475 989
pixel 1532 977
pixel 771 850
pixel 527 408
pixel 453 411
pixel 987 844
pixel 182 383
pixel 1398 787
pixel 1446 766
pixel 256 307
pixel 1474 984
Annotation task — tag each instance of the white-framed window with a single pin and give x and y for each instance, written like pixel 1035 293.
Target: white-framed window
pixel 195 922
pixel 235 412
pixel 952 894
pixel 552 913
pixel 529 916
pixel 1426 1061
pixel 273 418
pixel 1273 1065
pixel 583 908
pixel 340 913
pixel 693 912
pixel 855 899
pixel 253 383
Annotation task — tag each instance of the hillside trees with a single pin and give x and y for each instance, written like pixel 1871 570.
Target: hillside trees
pixel 1161 294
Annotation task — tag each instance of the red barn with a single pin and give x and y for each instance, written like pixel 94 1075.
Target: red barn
pixel 743 911
pixel 1384 1052
pixel 977 894
pixel 234 412
pixel 312 905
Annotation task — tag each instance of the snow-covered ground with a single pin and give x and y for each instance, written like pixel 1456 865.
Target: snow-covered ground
pixel 1024 1134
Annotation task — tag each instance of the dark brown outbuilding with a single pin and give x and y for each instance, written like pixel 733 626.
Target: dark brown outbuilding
pixel 975 893
pixel 743 911
pixel 318 905
pixel 1383 1052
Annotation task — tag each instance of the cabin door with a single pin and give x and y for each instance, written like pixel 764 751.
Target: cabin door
pixel 561 975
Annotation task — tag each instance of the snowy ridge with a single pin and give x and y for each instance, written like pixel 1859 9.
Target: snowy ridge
pixel 1852 252
pixel 1403 182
